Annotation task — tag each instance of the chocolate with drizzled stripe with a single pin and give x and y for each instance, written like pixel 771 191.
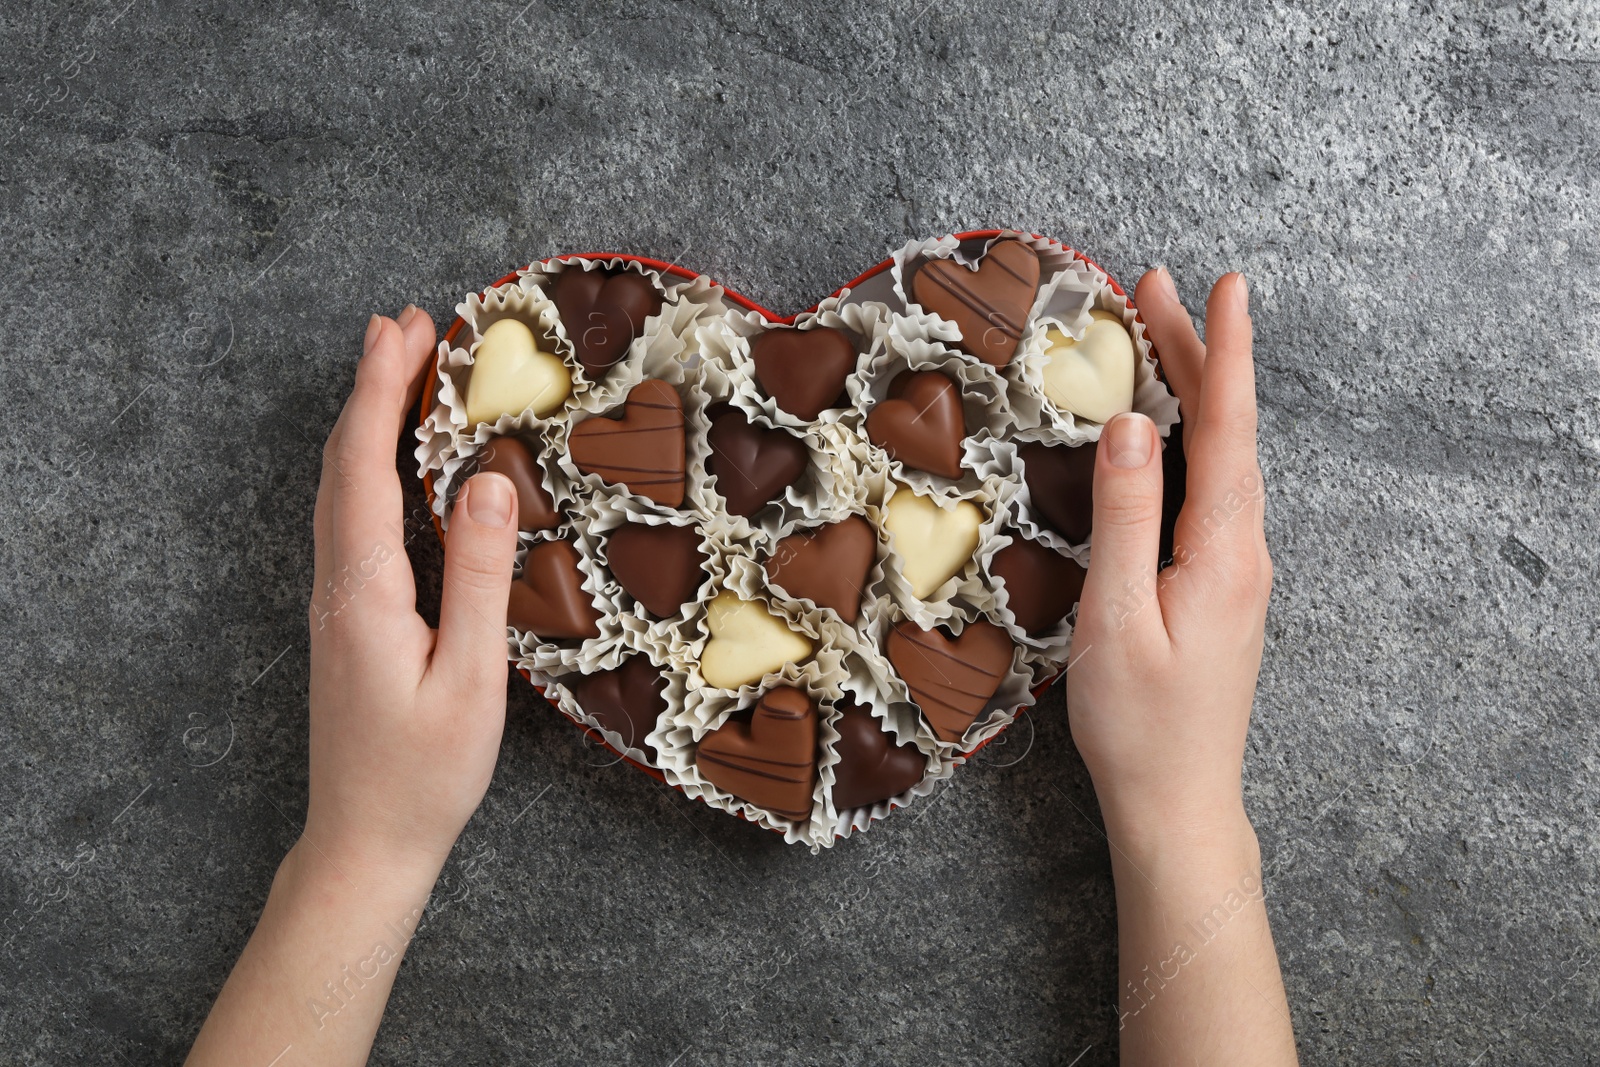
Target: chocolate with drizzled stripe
pixel 643 450
pixel 951 679
pixel 989 305
pixel 768 756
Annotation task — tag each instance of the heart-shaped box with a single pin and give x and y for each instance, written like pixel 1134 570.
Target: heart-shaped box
pixel 932 338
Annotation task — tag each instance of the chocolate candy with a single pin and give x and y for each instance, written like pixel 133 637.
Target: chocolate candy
pixel 752 466
pixel 827 565
pixel 659 566
pixel 1041 584
pixel 511 374
pixel 950 679
pixel 747 643
pixel 871 766
pixel 989 305
pixel 767 757
pixel 920 424
pixel 626 701
pixel 549 599
pixel 1060 482
pixel 643 450
pixel 1091 377
pixel 603 311
pixel 932 543
pixel 803 371
pixel 510 457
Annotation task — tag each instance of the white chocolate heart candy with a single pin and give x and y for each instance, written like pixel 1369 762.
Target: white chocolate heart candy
pixel 1093 376
pixel 933 543
pixel 747 642
pixel 510 374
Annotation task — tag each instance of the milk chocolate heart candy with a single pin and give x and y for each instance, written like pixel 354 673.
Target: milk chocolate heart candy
pixel 769 758
pixel 921 424
pixel 510 457
pixel 871 766
pixel 1041 584
pixel 643 450
pixel 511 374
pixel 603 311
pixel 803 371
pixel 827 565
pixel 626 701
pixel 752 466
pixel 1091 377
pixel 989 305
pixel 747 643
pixel 950 679
pixel 549 599
pixel 933 543
pixel 659 566
pixel 1060 483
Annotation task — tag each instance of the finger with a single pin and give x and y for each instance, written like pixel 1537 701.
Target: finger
pixel 420 332
pixel 1171 330
pixel 331 478
pixel 1224 504
pixel 1120 588
pixel 366 501
pixel 479 554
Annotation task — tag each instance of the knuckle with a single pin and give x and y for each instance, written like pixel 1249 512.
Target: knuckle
pixel 479 566
pixel 330 450
pixel 1125 510
pixel 328 619
pixel 338 456
pixel 1237 424
pixel 380 374
pixel 1241 589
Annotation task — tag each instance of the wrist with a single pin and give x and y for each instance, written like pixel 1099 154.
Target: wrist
pixel 375 845
pixel 338 871
pixel 1181 830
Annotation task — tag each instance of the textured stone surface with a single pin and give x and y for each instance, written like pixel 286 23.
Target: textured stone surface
pixel 202 203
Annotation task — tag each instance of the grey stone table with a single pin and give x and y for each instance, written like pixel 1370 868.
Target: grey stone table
pixel 203 203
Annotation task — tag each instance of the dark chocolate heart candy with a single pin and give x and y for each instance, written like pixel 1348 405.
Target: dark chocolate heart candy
pixel 549 599
pixel 768 756
pixel 1060 482
pixel 989 305
pixel 871 766
pixel 626 701
pixel 603 311
pixel 951 678
pixel 803 371
pixel 1041 584
pixel 921 424
pixel 643 450
pixel 751 465
pixel 659 566
pixel 510 457
pixel 827 565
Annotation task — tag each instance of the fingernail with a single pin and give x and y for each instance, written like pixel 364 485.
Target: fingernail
pixel 1165 279
pixel 408 313
pixel 1241 293
pixel 489 499
pixel 1128 439
pixel 374 327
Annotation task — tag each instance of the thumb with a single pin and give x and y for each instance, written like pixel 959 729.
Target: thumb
pixel 1126 542
pixel 479 554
